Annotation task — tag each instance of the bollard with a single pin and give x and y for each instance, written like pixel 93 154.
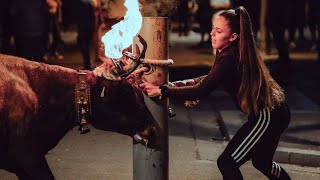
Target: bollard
pixel 151 163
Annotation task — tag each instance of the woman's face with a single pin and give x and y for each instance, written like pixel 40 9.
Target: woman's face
pixel 221 34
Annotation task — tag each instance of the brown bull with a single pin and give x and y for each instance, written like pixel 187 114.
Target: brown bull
pixel 37 108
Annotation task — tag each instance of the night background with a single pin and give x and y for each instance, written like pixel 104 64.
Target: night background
pixel 68 32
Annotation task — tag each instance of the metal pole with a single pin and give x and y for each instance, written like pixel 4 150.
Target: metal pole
pixel 151 163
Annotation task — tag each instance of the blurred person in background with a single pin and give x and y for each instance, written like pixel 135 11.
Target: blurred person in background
pixel 184 15
pixel 203 17
pixel 277 20
pixel 314 23
pixel 6 31
pixel 81 13
pixel 54 19
pixel 296 22
pixel 29 18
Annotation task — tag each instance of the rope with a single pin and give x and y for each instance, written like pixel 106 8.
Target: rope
pixel 166 62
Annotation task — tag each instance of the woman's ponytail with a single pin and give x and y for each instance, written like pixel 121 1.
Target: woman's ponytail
pixel 257 87
pixel 250 87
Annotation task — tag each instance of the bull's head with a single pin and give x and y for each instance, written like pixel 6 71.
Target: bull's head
pixel 118 103
pixel 119 106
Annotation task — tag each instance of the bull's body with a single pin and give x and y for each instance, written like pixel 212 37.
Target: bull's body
pixel 37 110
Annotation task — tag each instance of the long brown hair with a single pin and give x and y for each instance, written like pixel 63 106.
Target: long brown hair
pixel 257 89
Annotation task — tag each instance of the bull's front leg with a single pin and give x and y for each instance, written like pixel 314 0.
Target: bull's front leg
pixel 29 162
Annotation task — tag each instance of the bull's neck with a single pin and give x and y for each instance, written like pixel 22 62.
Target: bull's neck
pixel 65 76
pixel 51 77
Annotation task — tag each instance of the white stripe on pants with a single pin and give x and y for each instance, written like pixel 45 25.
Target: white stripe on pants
pixel 253 137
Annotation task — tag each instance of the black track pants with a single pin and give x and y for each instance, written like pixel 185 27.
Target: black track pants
pixel 257 140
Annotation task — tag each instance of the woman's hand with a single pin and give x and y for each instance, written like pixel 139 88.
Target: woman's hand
pixel 150 89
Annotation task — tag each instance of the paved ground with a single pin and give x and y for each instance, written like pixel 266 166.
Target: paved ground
pixel 195 138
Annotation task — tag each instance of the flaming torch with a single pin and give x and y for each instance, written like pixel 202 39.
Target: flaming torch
pixel 121 35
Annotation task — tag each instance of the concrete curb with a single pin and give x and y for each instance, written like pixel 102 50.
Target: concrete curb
pixel 297 156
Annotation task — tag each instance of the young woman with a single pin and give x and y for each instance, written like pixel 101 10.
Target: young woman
pixel 243 74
